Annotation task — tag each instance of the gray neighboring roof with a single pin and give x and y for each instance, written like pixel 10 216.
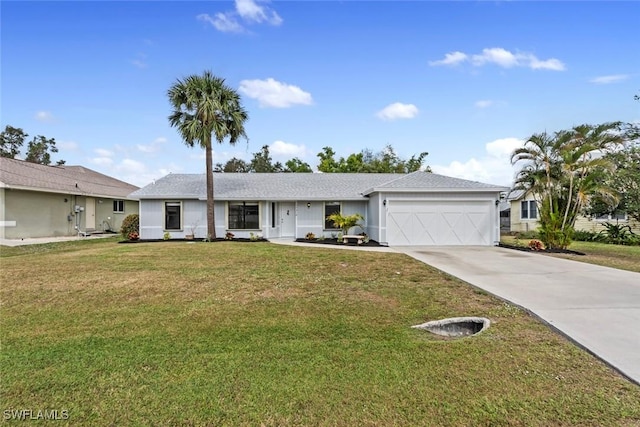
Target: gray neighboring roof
pixel 300 186
pixel 516 195
pixel 76 180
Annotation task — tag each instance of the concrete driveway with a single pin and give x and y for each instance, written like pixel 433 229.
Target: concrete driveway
pixel 597 307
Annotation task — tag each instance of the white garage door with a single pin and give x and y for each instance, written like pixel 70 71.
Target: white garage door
pixel 439 223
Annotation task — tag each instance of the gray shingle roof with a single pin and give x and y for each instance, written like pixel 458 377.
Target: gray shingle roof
pixel 61 179
pixel 300 186
pixel 425 181
pixel 516 194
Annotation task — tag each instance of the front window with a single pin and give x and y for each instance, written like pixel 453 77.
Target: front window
pixel 330 208
pixel 244 216
pixel 118 206
pixel 172 216
pixel 273 215
pixel 528 209
pixel 616 216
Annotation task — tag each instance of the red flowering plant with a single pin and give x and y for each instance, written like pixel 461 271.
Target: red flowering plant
pixel 536 245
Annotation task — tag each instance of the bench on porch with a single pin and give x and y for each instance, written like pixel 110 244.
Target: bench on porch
pixel 353 238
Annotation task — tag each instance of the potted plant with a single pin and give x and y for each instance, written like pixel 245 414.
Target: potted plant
pixel 193 228
pixel 345 222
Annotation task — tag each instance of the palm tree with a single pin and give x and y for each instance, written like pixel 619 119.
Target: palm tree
pixel 204 107
pixel 562 172
pixel 582 159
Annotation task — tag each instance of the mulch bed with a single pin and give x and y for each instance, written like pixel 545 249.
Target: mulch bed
pixel 335 242
pixel 548 251
pixel 219 239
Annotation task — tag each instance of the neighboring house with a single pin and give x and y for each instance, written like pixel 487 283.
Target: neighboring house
pixel 48 201
pixel 525 216
pixel 420 208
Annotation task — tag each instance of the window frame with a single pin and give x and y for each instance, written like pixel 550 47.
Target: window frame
pixel 172 203
pixel 244 204
pixel 116 204
pixel 612 217
pixel 529 204
pixel 327 226
pixel 273 214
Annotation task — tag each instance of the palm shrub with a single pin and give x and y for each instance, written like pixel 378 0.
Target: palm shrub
pixel 130 225
pixel 563 171
pixel 345 222
pixel 617 234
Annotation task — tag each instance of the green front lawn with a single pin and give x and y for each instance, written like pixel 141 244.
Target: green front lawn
pixel 616 256
pixel 229 333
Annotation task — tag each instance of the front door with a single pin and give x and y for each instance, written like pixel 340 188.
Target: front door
pixel 90 213
pixel 287 219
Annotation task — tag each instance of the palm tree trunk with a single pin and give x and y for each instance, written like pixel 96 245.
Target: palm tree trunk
pixel 569 200
pixel 211 219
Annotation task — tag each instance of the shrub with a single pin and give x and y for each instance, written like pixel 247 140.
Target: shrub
pixel 526 234
pixel 584 236
pixel 345 223
pixel 616 233
pixel 229 235
pixel 633 240
pixel 131 224
pixel 166 235
pixel 310 236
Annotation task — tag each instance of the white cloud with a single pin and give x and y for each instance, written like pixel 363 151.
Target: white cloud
pixel 496 55
pixel 552 64
pixel 397 110
pixel 224 22
pixel 605 80
pixel 484 103
pixel 67 145
pixel 272 93
pixel 501 57
pixel 102 161
pixel 502 148
pixel 452 58
pixel 44 116
pixel 288 150
pixel 131 166
pixel 247 11
pixel 103 152
pixel 155 146
pixel 252 12
pixel 493 168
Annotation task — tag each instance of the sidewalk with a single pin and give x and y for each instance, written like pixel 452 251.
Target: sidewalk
pixel 40 240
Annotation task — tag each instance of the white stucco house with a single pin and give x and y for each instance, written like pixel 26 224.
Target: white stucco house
pixel 419 208
pixel 525 216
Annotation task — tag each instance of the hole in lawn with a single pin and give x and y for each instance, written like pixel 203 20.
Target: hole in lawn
pixel 456 327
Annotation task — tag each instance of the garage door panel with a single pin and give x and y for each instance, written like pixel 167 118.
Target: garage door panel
pixel 400 223
pixel 439 223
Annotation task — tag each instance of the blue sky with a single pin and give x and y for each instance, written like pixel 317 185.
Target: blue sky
pixel 467 82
